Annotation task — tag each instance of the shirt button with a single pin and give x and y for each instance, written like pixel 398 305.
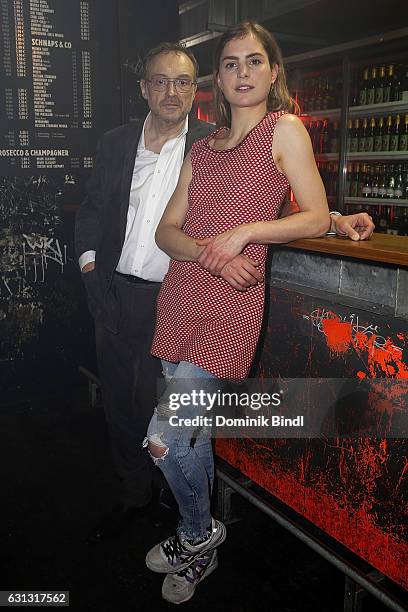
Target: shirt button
pixel 154 195
pixel 147 220
pixel 158 172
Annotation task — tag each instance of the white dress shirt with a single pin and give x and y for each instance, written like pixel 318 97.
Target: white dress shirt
pixel 154 180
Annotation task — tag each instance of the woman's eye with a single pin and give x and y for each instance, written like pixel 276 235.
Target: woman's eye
pixel 255 61
pixel 230 65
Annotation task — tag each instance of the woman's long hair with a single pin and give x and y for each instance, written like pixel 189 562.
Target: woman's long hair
pixel 279 97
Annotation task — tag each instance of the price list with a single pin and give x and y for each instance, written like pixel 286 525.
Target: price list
pixel 47 65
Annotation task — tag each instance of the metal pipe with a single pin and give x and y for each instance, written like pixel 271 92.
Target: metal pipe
pixel 312 543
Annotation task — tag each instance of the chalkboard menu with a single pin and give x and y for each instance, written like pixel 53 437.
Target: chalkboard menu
pixel 47 88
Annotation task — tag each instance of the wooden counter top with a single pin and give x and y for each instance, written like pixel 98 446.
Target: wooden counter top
pixel 380 247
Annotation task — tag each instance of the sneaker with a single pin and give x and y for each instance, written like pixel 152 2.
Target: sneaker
pixel 180 587
pixel 175 553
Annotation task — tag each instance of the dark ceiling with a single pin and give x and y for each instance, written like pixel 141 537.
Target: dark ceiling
pixel 321 24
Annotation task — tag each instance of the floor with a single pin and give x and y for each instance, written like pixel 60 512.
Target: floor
pixel 56 480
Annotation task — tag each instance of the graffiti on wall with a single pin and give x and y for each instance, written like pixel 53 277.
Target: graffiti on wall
pixel 32 253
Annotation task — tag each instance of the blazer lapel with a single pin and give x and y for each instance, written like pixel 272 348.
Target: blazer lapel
pixel 127 173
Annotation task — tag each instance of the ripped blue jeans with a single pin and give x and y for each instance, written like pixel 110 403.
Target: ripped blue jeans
pixel 186 459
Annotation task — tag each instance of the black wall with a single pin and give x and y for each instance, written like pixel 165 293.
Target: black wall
pixel 45 329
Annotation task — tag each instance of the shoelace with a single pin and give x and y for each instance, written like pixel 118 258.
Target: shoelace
pixel 196 569
pixel 173 549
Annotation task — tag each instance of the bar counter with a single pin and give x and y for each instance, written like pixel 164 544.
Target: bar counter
pixel 338 309
pixel 380 247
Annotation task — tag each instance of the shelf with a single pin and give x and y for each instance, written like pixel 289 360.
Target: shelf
pixel 327 156
pixel 388 108
pixel 324 114
pixel 379 201
pixel 402 155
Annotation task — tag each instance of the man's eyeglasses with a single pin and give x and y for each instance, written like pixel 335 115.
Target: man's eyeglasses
pixel 160 84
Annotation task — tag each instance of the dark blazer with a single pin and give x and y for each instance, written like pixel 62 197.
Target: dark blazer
pixel 101 220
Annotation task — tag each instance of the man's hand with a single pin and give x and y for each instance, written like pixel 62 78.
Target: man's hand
pixel 356 227
pixel 241 272
pixel 221 249
pixel 88 267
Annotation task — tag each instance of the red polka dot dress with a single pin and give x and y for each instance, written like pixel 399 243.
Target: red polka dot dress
pixel 201 318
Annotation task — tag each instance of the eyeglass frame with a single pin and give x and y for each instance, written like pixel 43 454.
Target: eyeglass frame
pixel 171 81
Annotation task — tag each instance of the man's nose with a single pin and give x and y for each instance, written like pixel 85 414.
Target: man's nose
pixel 171 87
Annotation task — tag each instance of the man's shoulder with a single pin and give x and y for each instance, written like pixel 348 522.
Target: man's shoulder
pixel 123 132
pixel 122 135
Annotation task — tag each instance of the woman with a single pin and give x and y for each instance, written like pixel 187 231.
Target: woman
pixel 216 228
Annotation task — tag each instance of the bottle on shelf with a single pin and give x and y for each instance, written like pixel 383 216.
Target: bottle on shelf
pixel 325 104
pixel 334 146
pixel 375 178
pixel 372 85
pixel 379 90
pixel 349 174
pixel 362 136
pixel 397 85
pixel 399 183
pixel 405 182
pixel 395 221
pixel 386 140
pixel 394 140
pixel 363 88
pixel 403 137
pixel 366 183
pixel 382 183
pixel 388 95
pixel 390 183
pixel 383 219
pixel 379 135
pixel 369 138
pixel 324 138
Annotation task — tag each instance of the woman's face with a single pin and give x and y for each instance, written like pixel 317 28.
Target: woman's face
pixel 245 75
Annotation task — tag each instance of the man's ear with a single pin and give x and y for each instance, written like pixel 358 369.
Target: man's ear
pixel 143 88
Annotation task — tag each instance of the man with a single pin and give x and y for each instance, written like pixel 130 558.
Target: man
pixel 136 172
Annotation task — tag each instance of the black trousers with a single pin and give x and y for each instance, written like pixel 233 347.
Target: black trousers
pixel 129 379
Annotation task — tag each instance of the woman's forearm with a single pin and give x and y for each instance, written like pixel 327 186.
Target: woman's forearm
pixel 307 224
pixel 173 241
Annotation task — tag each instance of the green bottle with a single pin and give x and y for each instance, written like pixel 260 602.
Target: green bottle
pixel 369 139
pixel 379 135
pixel 403 138
pixel 394 140
pixel 362 136
pixel 387 134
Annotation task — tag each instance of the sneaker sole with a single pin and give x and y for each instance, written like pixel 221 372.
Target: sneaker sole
pixel 209 570
pixel 159 569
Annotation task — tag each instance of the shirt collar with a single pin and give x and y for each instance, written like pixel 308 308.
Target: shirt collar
pixel 181 134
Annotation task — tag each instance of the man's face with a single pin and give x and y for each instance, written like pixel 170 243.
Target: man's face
pixel 169 105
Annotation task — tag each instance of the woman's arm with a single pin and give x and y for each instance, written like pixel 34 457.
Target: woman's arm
pixel 169 235
pixel 241 273
pixel 293 155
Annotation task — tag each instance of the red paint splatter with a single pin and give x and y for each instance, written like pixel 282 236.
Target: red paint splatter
pixel 350 521
pixel 385 359
pixel 338 335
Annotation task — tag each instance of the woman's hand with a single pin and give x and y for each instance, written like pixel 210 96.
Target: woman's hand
pixel 221 249
pixel 241 272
